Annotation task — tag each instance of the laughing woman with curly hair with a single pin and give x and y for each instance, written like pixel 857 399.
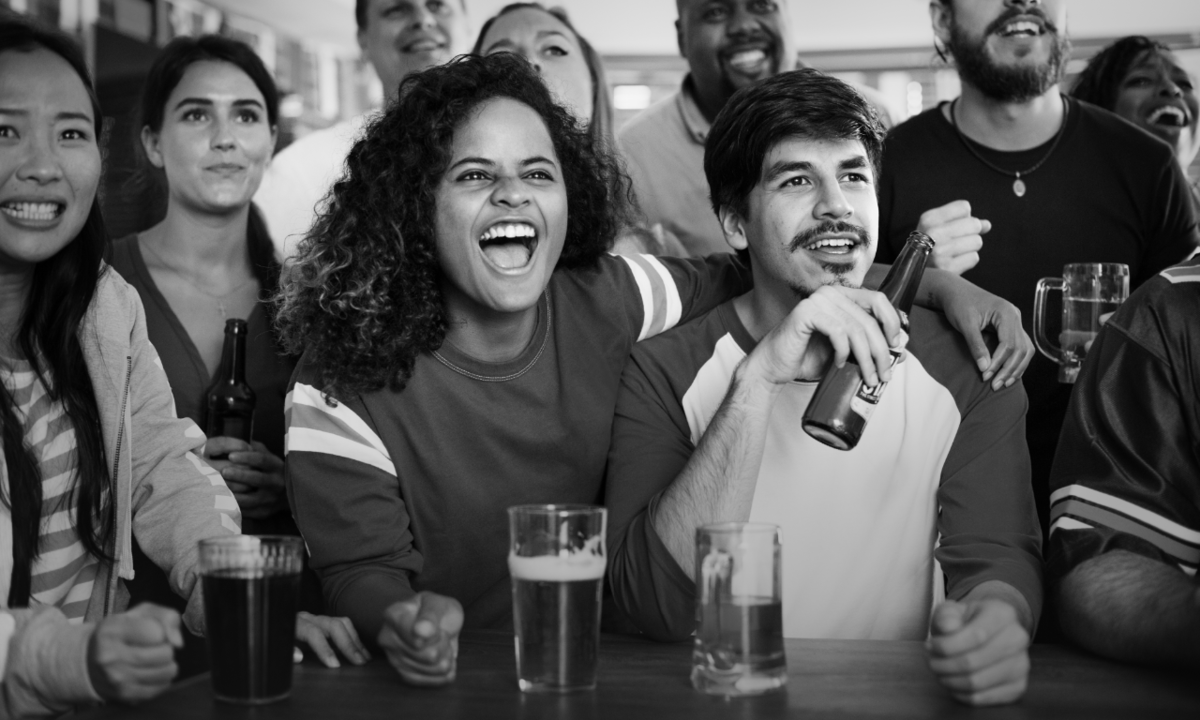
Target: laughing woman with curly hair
pixel 463 338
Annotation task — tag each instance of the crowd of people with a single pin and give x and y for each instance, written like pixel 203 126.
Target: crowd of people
pixel 483 295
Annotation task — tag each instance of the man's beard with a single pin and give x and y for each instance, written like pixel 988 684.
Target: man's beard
pixel 1004 83
pixel 839 272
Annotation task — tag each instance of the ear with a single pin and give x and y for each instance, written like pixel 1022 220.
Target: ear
pixel 274 138
pixel 679 38
pixel 942 17
pixel 151 146
pixel 734 228
pixel 361 37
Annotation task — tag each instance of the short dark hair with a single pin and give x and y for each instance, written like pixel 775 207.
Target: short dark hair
pixel 1101 79
pixel 803 103
pixel 360 13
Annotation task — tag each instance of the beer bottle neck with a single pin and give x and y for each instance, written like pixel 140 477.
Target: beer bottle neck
pixel 902 281
pixel 233 354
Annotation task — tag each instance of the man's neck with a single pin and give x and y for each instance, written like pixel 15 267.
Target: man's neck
pixel 764 307
pixel 1008 126
pixel 709 103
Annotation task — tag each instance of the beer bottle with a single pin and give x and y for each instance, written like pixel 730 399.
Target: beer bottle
pixel 843 403
pixel 230 398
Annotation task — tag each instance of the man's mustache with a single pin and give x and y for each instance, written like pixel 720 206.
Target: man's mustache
pixel 829 227
pixel 1012 13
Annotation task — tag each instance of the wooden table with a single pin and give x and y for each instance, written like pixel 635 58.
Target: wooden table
pixel 640 679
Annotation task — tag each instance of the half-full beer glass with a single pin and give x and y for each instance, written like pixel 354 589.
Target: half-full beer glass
pixel 557 562
pixel 739 603
pixel 251 588
pixel 1091 291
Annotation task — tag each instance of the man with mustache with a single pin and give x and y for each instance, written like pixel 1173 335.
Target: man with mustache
pixel 398 37
pixel 1059 180
pixel 708 421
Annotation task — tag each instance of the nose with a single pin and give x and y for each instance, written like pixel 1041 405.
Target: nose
pixel 510 192
pixel 1168 88
pixel 41 164
pixel 423 18
pixel 832 204
pixel 1023 3
pixel 742 22
pixel 222 138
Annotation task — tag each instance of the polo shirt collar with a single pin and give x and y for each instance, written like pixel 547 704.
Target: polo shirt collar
pixel 693 120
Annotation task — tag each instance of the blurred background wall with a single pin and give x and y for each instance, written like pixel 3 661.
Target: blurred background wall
pixel 310 46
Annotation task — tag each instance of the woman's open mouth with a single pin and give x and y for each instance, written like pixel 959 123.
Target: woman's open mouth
pixel 33 212
pixel 509 245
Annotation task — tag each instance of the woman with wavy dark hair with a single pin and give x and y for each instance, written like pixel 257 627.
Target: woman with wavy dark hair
pixel 463 338
pixel 208 114
pixel 92 453
pixel 1142 81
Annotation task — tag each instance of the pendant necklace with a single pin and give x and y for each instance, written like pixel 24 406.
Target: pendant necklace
pixel 218 299
pixel 1018 186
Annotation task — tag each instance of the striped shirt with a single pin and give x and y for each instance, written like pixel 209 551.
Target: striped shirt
pixel 1127 473
pixel 63 572
pixel 396 492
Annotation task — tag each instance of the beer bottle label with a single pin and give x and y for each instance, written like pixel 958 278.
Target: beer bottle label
pixel 862 407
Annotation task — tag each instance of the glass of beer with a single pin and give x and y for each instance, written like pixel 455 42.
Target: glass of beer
pixel 251 589
pixel 1091 293
pixel 739 602
pixel 557 562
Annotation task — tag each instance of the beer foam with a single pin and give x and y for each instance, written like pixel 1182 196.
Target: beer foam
pixel 557 568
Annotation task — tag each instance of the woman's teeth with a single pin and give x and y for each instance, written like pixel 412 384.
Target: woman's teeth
pixel 1168 115
pixel 508 230
pixel 31 210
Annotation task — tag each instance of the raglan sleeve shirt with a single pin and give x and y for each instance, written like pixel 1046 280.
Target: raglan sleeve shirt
pixel 347 504
pixel 1127 473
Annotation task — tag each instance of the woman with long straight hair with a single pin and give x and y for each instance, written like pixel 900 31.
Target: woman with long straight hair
pixel 92 452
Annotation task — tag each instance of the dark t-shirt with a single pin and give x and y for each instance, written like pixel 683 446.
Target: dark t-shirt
pixel 1108 193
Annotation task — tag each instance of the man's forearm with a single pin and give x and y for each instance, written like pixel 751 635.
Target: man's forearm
pixel 1133 608
pixel 717 484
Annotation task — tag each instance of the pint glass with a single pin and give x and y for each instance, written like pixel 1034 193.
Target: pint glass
pixel 251 590
pixel 1091 292
pixel 557 561
pixel 739 642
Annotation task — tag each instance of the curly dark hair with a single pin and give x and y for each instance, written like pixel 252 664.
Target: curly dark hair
pixel 1100 81
pixel 363 298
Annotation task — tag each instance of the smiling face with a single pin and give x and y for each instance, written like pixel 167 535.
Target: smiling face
pixel 812 218
pixel 49 157
pixel 501 217
pixel 215 139
pixel 1010 50
pixel 407 36
pixel 1158 95
pixel 730 44
pixel 552 48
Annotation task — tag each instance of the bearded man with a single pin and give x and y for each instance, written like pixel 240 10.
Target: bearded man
pixel 1056 180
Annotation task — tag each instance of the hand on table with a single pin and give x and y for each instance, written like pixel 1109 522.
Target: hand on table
pixel 420 637
pixel 323 633
pixel 979 651
pixel 253 473
pixel 131 655
pixel 957 236
pixel 970 310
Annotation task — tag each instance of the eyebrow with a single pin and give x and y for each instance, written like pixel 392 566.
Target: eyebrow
pixel 857 162
pixel 61 116
pixel 508 42
pixel 535 160
pixel 249 102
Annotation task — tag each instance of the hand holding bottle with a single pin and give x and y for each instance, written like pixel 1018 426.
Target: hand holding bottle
pixel 253 473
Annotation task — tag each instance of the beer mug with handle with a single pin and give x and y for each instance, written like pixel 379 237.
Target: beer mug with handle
pixel 1091 292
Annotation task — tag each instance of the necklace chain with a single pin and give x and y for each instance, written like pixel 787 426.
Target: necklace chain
pixel 1018 183
pixel 218 299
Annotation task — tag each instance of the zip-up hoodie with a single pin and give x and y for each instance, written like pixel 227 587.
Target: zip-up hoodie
pixel 163 492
